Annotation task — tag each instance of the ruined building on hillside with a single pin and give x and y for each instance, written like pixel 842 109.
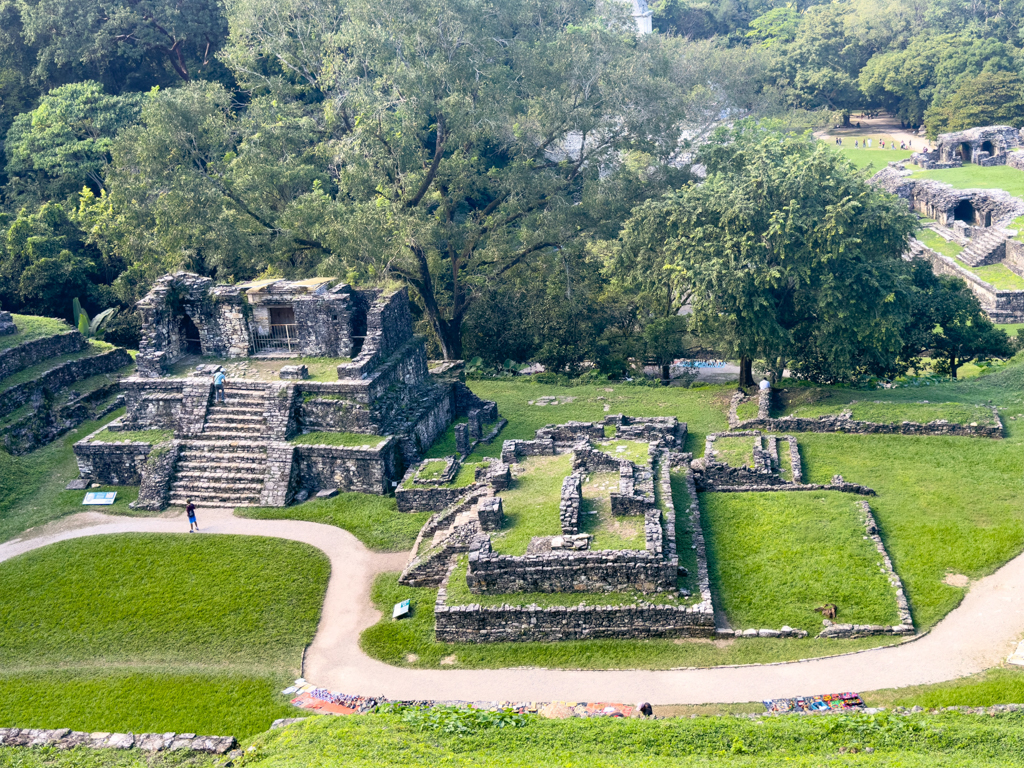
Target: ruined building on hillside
pixel 372 408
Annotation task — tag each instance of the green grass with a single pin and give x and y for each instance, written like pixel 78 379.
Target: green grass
pixel 999 276
pixel 410 643
pixel 747 409
pixel 735 451
pixel 319 368
pixel 703 409
pixel 972 176
pixel 127 599
pixel 1000 685
pixel 775 557
pixel 459 594
pixel 151 436
pixel 937 243
pixel 936 741
pixel 431 470
pixel 531 504
pixel 596 518
pixel 374 520
pixel 35 371
pixel 31 327
pixel 343 439
pixel 32 486
pixel 684 533
pixel 874 158
pixel 144 700
pixel 811 402
pixel 635 451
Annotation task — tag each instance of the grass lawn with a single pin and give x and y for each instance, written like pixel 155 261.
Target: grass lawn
pixel 32 486
pixel 152 436
pixel 735 451
pixel 972 176
pixel 937 243
pixel 874 158
pixel 531 504
pixel 374 520
pixel 343 439
pixel 941 741
pixel 31 327
pixel 775 557
pixel 410 643
pixel 999 276
pixel 162 599
pixel 144 700
pixel 812 402
pixel 262 369
pixel 747 409
pixel 1000 685
pixel 596 518
pixel 630 450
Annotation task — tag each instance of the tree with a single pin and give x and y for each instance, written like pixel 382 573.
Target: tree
pixel 183 35
pixel 445 153
pixel 664 342
pixel 788 251
pixel 962 332
pixel 64 143
pixel 991 98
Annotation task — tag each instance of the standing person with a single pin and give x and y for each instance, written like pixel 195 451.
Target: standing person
pixel 218 386
pixel 190 510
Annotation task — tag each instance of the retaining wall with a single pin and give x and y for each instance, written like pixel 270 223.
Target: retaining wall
pixel 29 353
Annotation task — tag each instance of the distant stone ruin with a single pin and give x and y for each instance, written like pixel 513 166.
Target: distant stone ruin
pixel 7 325
pixel 242 451
pixel 987 145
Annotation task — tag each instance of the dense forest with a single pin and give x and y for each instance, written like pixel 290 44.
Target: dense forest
pixel 525 168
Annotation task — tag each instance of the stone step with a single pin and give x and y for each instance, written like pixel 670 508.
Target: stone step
pixel 246 427
pixel 257 453
pixel 246 417
pixel 194 486
pixel 229 499
pixel 234 434
pixel 196 473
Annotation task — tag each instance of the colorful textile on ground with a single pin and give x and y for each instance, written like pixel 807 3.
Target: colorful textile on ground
pixel 830 702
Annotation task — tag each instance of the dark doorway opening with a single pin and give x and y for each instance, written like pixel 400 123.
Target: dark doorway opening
pixel 358 325
pixel 965 152
pixel 191 343
pixel 986 146
pixel 964 212
pixel 282 316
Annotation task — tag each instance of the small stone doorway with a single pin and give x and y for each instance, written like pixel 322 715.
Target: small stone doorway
pixel 190 342
pixel 964 212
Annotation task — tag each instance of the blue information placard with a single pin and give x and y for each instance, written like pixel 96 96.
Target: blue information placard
pixel 401 610
pixel 106 497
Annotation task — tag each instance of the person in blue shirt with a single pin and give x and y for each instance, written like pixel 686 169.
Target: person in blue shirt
pixel 190 510
pixel 218 386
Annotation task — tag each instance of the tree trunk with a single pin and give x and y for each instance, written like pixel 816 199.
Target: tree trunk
pixel 666 375
pixel 952 365
pixel 746 372
pixel 846 118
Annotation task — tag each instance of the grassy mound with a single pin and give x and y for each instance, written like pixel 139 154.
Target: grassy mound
pixel 162 599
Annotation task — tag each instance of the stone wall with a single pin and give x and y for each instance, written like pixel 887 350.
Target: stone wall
pixel 282 400
pixel 636 491
pixel 366 469
pixel 576 571
pixel 511 450
pixel 585 458
pixel 841 423
pixel 56 416
pixel 29 353
pixel 388 329
pixel 280 477
pixel 938 200
pixel 491 513
pixel 429 498
pixel 151 403
pixel 195 402
pixel 65 738
pixel 111 463
pixel 666 429
pixel 62 376
pixel 571 432
pixel 155 490
pixel 477 624
pixel 569 504
pixel 7 326
pixel 1015 255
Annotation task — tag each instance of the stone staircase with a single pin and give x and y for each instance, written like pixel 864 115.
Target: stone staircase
pixel 988 247
pixel 219 473
pixel 227 464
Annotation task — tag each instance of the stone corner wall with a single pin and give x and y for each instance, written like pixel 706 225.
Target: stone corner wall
pixel 155 490
pixel 29 353
pixel 569 504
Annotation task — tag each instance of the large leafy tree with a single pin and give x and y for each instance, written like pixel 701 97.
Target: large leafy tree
pixel 64 143
pixel 991 98
pixel 445 142
pixel 789 252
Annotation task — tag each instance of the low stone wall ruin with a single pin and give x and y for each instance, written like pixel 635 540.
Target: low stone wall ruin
pixel 571 432
pixel 65 738
pixel 840 423
pixel 569 504
pixel 29 353
pixel 111 463
pixel 364 469
pixel 511 450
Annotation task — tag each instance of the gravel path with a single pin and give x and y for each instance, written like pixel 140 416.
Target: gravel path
pixel 979 634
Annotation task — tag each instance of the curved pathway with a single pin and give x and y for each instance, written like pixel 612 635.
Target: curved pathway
pixel 979 634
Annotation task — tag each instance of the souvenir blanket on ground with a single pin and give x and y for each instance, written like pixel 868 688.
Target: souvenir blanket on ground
pixel 830 702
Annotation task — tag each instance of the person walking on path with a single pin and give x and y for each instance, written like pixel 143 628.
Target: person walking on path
pixel 218 387
pixel 190 510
